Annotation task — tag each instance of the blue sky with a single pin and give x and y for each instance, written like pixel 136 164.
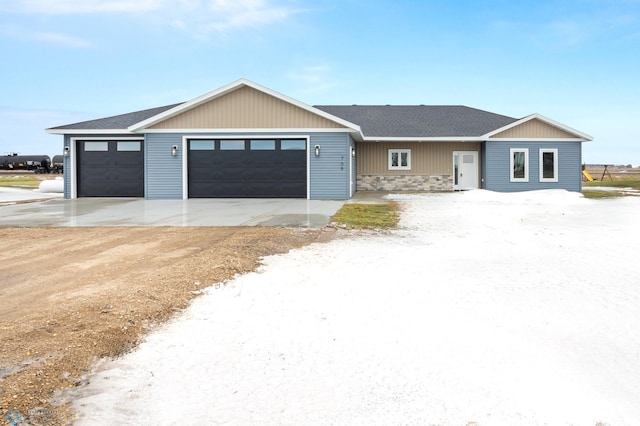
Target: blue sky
pixel 575 61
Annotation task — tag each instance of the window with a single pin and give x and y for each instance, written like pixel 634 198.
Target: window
pixel 202 145
pixel 96 146
pixel 519 164
pixel 128 146
pixel 232 145
pixel 293 144
pixel 399 159
pixel 263 145
pixel 548 165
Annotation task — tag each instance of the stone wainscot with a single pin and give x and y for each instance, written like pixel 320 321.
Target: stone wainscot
pixel 433 183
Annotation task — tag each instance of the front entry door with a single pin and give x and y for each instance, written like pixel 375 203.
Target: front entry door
pixel 465 168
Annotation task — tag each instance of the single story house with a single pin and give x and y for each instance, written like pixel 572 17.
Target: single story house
pixel 245 140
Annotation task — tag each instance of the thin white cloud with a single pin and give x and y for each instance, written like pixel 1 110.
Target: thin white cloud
pixel 569 32
pixel 216 17
pixel 311 74
pixel 199 17
pixel 67 7
pixel 45 37
pixel 62 40
pixel 229 15
pixel 314 79
pixel 596 19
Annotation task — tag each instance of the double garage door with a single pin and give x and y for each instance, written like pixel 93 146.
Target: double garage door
pixel 217 168
pixel 247 168
pixel 110 168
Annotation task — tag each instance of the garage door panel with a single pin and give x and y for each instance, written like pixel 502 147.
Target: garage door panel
pixel 293 156
pixel 232 189
pixel 232 175
pixel 265 174
pixel 110 168
pixel 262 169
pixel 291 189
pixel 129 161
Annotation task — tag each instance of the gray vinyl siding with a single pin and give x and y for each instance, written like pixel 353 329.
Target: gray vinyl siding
pixel 163 172
pixel 496 166
pixel 328 176
pixel 329 172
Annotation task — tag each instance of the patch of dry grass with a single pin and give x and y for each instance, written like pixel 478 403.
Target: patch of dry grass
pixel 368 215
pixel 20 181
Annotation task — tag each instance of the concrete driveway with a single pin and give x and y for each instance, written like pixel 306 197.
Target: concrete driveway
pixel 193 212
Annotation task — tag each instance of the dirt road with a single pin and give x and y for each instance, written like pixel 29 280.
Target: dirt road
pixel 69 296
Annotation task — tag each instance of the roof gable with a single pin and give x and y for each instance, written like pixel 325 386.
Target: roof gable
pixel 243 105
pixel 537 126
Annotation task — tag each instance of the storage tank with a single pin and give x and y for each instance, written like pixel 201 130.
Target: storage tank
pixel 23 162
pixel 57 164
pixel 52 186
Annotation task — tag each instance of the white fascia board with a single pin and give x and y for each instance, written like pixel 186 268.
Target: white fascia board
pixel 579 135
pixel 88 131
pixel 538 140
pixel 230 88
pixel 429 139
pixel 250 130
pixel 242 136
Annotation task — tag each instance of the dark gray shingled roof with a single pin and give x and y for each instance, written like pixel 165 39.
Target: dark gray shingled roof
pixel 119 122
pixel 374 120
pixel 419 120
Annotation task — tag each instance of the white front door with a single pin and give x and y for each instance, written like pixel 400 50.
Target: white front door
pixel 465 170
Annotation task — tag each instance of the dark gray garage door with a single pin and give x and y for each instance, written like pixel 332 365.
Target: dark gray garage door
pixel 252 168
pixel 110 168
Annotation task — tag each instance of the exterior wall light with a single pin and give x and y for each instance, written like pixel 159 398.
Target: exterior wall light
pixel 174 150
pixel 353 152
pixel 66 151
pixel 317 150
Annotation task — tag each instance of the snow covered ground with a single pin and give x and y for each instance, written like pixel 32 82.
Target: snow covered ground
pixel 11 195
pixel 483 309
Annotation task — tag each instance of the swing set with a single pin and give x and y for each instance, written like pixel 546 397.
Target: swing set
pixel 586 176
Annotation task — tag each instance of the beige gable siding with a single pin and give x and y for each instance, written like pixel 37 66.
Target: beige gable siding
pixel 427 158
pixel 246 108
pixel 534 129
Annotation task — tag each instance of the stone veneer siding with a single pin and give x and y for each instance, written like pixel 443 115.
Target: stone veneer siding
pixel 405 183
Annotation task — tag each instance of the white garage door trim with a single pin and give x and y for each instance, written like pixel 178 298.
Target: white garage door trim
pixel 73 141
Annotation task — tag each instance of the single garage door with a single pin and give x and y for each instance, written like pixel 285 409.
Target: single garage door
pixel 247 168
pixel 110 168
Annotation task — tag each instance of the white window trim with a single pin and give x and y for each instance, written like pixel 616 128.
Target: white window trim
pixel 399 151
pixel 554 151
pixel 526 165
